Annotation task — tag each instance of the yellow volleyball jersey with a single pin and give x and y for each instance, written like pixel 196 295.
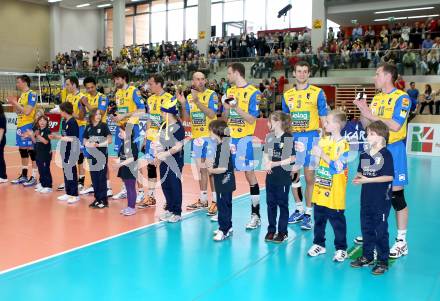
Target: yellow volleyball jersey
pixel 248 99
pixel 305 107
pixel 99 101
pixel 331 182
pixel 199 121
pixel 74 99
pixel 395 106
pixel 63 94
pixel 154 103
pixel 28 98
pixel 128 101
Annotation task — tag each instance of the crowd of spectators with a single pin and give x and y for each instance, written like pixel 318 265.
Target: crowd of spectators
pixel 412 47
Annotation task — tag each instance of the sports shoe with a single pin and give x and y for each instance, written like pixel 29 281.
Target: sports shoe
pixel 212 210
pixel 380 268
pixel 128 211
pixel 60 187
pixel 399 249
pixel 20 180
pixel 340 255
pixel 80 186
pixel 361 262
pixel 219 235
pixel 254 223
pixel 197 205
pixel 121 195
pixel 102 204
pixel 45 190
pixel 140 196
pixel 230 231
pixel 280 237
pixel 2 181
pixel 38 187
pixel 63 197
pixel 269 236
pixel 93 204
pixel 174 218
pixel 316 250
pixel 87 190
pixel 359 240
pixel 306 223
pixel 296 217
pixel 72 199
pixel 214 218
pixel 165 216
pixel 109 192
pixel 31 182
pixel 148 202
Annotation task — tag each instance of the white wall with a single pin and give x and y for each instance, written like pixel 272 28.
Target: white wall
pixel 80 29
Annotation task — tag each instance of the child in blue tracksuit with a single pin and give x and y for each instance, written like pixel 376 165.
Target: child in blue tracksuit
pixel 375 174
pixel 169 156
pixel 279 154
pixel 222 170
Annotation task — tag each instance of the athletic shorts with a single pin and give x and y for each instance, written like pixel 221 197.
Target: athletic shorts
pixel 21 141
pixel 398 152
pixel 309 139
pixel 202 147
pixel 137 138
pixel 242 152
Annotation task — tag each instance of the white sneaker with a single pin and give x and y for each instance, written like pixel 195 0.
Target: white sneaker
pixel 219 235
pixel 399 249
pixel 316 250
pixel 109 192
pixel 174 218
pixel 38 187
pixel 64 197
pixel 165 216
pixel 214 218
pixel 45 190
pixel 340 255
pixel 359 240
pixel 254 223
pixel 73 199
pixel 87 190
pixel 140 196
pixel 229 232
pixel 121 195
pixel 80 187
pixel 3 180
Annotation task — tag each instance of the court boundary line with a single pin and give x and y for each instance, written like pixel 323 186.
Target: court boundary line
pixel 184 216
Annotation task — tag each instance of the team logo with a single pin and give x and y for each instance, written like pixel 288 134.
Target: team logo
pixel 245 94
pixel 389 101
pixel 327 194
pixel 422 139
pixel 240 130
pixel 99 131
pixel 308 95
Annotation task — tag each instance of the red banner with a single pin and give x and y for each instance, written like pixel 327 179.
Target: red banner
pixel 54 122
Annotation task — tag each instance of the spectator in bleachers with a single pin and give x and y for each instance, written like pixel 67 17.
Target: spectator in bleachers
pixel 427 100
pixel 427 43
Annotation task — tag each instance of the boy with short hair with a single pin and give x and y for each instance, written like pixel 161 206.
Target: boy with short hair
pixel 330 187
pixel 375 174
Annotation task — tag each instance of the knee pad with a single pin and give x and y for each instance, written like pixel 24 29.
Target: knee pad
pixel 255 189
pixel 23 153
pixel 398 200
pixel 152 171
pixel 295 181
pixel 81 158
pixel 31 153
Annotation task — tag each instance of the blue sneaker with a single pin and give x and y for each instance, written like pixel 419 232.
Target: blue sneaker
pixel 306 223
pixel 31 182
pixel 296 217
pixel 20 180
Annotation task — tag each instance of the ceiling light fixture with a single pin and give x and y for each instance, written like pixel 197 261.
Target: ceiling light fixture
pixel 403 10
pixel 83 5
pixel 104 5
pixel 424 16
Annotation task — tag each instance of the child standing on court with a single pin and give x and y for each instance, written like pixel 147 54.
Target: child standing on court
pixel 43 152
pixel 375 174
pixel 279 154
pixel 330 187
pixel 128 166
pixel 169 157
pixel 224 180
